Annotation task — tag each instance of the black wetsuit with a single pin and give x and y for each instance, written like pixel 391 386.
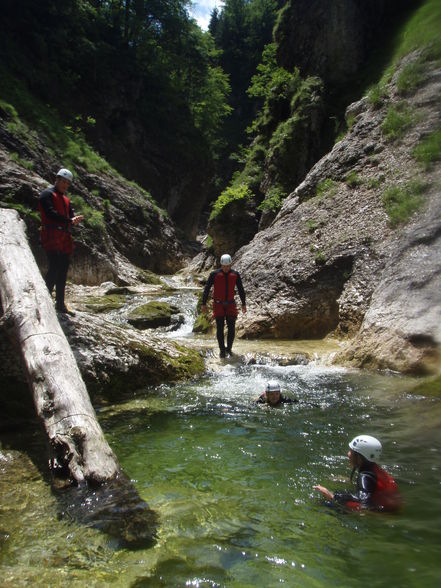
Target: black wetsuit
pixel 282 400
pixel 365 485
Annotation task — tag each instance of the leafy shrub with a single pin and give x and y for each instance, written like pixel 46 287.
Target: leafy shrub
pixel 401 201
pixel 273 200
pixel 231 194
pixel 429 149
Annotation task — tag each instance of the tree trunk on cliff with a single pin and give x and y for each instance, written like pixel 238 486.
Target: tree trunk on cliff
pixel 78 446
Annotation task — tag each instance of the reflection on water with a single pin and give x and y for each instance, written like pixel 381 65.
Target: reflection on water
pixel 232 484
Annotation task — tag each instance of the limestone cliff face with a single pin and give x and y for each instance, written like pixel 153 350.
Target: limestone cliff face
pixel 122 227
pixel 332 40
pixel 333 263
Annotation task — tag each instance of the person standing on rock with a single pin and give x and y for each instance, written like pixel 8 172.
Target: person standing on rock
pixel 224 282
pixel 57 218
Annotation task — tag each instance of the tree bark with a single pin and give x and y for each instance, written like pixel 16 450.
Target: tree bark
pixel 79 449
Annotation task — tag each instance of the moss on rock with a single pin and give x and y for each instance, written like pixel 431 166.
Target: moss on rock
pixel 151 315
pixel 105 303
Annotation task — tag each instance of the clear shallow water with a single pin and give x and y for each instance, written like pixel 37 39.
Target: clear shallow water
pixel 232 483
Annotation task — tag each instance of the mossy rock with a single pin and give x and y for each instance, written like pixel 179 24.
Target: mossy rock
pixel 152 315
pixel 124 290
pixel 188 363
pixel 105 303
pixel 202 324
pixel 428 387
pixel 148 277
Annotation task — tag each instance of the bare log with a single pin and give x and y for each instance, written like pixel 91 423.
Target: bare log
pixel 60 395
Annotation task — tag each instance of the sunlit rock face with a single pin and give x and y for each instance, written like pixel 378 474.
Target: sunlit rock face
pixel 333 263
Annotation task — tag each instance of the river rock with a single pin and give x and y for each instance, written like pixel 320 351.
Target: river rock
pixel 152 315
pixel 113 359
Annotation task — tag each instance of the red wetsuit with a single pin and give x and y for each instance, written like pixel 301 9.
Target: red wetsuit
pixel 56 239
pixel 224 306
pixel 224 285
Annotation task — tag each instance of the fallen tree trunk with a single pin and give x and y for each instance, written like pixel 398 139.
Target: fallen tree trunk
pixel 79 448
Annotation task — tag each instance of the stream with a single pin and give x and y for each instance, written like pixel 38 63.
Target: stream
pixel 232 481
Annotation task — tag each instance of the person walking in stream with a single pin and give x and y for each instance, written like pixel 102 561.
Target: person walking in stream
pixel 224 282
pixel 57 218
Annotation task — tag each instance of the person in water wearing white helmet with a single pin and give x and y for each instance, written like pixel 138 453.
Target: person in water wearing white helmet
pixel 273 395
pixel 224 281
pixel 375 489
pixel 57 218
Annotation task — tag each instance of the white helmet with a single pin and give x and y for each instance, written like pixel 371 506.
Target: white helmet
pixel 226 259
pixel 367 446
pixel 65 173
pixel 272 386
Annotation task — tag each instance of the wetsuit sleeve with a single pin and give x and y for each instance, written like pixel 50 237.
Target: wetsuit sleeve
pixel 261 399
pixel 207 288
pixel 240 289
pixel 289 400
pixel 366 484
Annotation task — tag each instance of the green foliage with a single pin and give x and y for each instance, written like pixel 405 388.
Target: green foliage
pixel 149 60
pixel 376 94
pixel 282 124
pixel 429 149
pixel 401 202
pixel 92 218
pixel 327 187
pixel 276 87
pixel 353 179
pixel 23 211
pixel 398 119
pixel 312 225
pixel 23 162
pixel 319 256
pixel 78 152
pixel 241 29
pixel 231 194
pixel 209 243
pixel 374 183
pixel 273 200
pixel 411 76
pixel 422 31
